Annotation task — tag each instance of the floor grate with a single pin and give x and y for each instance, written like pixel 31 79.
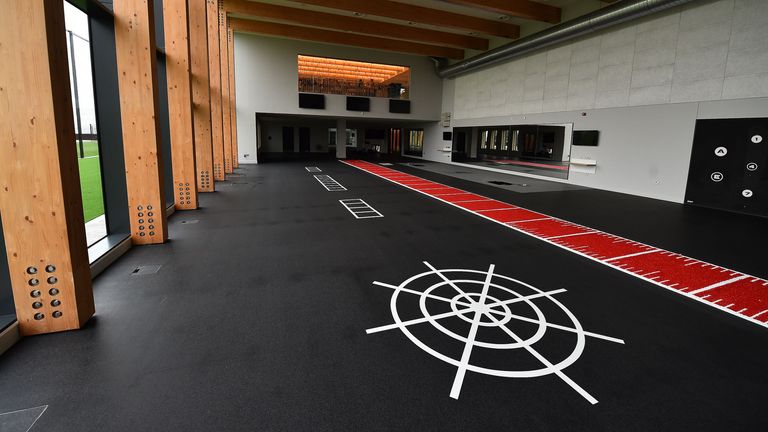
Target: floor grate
pixel 329 183
pixel 360 209
pixel 145 270
pixel 503 183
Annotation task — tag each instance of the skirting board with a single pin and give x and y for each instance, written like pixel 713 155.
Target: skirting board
pixel 9 337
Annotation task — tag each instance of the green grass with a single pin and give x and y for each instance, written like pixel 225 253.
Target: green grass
pixel 90 148
pixel 90 186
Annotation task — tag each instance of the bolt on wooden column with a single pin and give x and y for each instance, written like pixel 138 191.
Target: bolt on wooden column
pixel 232 98
pixel 214 59
pixel 137 80
pixel 40 201
pixel 175 24
pixel 201 95
pixel 225 100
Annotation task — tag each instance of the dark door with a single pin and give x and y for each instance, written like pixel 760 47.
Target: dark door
pixel 304 140
pixel 288 140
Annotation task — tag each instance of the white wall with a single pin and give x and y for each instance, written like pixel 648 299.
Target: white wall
pixel 642 84
pixel 266 80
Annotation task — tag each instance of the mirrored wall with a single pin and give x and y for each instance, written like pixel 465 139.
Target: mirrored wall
pixel 543 150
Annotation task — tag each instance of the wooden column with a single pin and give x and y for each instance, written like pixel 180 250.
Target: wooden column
pixel 137 80
pixel 232 97
pixel 201 95
pixel 225 101
pixel 40 201
pixel 176 26
pixel 214 60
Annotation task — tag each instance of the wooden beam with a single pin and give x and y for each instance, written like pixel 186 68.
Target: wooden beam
pixel 422 15
pixel 175 24
pixel 353 24
pixel 137 80
pixel 214 60
pixel 326 36
pixel 232 98
pixel 517 8
pixel 201 95
pixel 40 201
pixel 226 103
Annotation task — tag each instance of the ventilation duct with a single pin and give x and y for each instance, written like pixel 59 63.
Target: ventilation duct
pixel 617 13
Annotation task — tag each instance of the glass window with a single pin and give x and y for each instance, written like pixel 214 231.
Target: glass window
pixel 353 78
pixel 505 140
pixel 86 132
pixel 484 139
pixel 415 142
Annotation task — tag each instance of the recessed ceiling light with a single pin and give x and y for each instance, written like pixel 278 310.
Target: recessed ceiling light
pixel 504 18
pixel 411 23
pixel 358 14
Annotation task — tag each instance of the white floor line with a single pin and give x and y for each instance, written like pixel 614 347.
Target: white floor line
pixel 531 220
pixel 546 362
pixel 508 207
pixel 633 255
pixel 759 313
pixel 601 260
pixel 464 362
pixel 571 235
pixel 719 284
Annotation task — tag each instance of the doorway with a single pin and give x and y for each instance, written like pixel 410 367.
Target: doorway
pixel 287 140
pixel 304 140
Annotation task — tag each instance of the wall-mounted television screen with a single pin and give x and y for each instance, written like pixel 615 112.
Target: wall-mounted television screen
pixel 311 101
pixel 586 138
pixel 399 106
pixel 360 104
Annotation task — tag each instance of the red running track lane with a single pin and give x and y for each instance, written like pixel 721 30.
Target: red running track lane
pixel 736 293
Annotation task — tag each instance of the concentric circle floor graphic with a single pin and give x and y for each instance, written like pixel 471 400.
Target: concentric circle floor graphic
pixel 487 323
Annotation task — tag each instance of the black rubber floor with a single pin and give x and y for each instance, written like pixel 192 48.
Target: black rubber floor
pixel 257 322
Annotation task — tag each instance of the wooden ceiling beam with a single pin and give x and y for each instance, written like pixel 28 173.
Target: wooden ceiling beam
pixel 517 8
pixel 340 38
pixel 353 24
pixel 422 15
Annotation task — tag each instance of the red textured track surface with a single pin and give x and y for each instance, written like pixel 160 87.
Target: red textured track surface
pixel 728 290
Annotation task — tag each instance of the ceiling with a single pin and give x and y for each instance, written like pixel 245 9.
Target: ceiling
pixel 453 29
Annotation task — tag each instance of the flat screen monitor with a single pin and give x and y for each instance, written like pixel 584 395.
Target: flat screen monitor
pixel 586 138
pixel 311 101
pixel 360 104
pixel 399 106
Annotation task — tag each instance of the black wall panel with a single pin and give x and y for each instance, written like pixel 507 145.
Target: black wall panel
pixel 729 166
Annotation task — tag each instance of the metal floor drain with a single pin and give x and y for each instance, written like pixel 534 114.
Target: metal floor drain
pixel 190 221
pixel 503 183
pixel 145 270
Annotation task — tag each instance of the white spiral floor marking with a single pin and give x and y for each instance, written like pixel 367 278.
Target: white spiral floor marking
pixel 477 302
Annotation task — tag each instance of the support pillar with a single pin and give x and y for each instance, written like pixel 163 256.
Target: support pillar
pixel 214 59
pixel 178 72
pixel 201 95
pixel 226 106
pixel 137 79
pixel 341 139
pixel 40 201
pixel 232 97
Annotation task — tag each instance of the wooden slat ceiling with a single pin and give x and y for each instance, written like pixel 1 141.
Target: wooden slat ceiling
pixel 440 28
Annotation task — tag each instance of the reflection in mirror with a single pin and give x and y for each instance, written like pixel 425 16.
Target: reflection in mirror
pixel 542 150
